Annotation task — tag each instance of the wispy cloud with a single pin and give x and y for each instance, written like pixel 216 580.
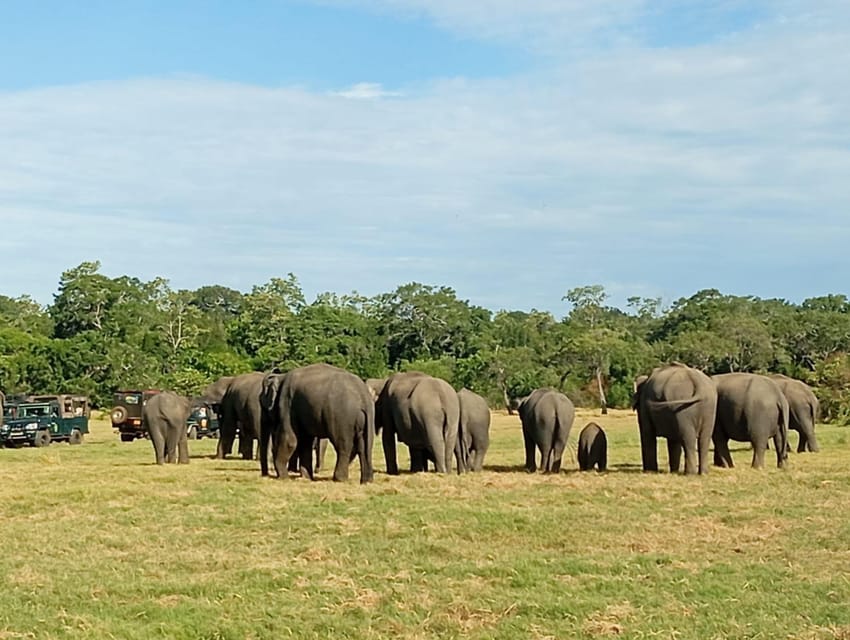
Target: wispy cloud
pixel 666 169
pixel 366 91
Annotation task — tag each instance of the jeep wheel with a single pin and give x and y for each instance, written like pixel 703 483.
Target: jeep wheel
pixel 119 415
pixel 42 439
pixel 76 437
pixel 127 437
pixel 193 433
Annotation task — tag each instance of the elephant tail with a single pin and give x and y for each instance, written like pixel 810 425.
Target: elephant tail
pixel 549 457
pixel 783 429
pixel 368 439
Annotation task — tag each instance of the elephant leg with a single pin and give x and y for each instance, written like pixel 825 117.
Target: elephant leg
pixel 558 447
pixel 418 460
pixel 811 441
pixel 343 459
pixel 246 446
pixel 478 459
pixel 158 441
pixel 293 465
pixel 225 445
pixel 183 448
pixel 602 462
pixel 438 448
pixel 390 455
pixel 450 448
pixel 759 447
pixel 648 445
pixel 304 452
pixel 704 444
pixel 321 449
pixel 722 455
pixel 781 453
pixel 689 443
pixel 530 452
pixel 461 456
pixel 172 437
pixel 674 454
pixel 285 446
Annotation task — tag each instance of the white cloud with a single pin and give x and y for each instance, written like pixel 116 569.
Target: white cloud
pixel 366 91
pixel 719 165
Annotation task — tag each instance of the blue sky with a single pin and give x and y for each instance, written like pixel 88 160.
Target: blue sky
pixel 510 150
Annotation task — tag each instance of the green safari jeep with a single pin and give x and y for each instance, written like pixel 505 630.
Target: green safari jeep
pixel 202 422
pixel 126 413
pixel 40 420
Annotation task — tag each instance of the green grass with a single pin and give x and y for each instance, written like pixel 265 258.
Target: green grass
pixel 99 542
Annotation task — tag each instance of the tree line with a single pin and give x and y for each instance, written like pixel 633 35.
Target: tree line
pixel 101 334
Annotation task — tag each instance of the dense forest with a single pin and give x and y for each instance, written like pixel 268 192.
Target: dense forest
pixel 102 333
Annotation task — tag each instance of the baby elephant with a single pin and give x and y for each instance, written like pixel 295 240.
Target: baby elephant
pixel 592 448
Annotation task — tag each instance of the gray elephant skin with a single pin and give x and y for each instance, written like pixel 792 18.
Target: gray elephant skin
pixel 547 416
pixel 803 411
pixel 678 403
pixel 165 416
pixel 592 448
pixel 423 412
pixel 473 438
pixel 240 410
pixel 317 401
pixel 750 408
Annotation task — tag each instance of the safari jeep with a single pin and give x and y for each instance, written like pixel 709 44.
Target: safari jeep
pixel 126 413
pixel 40 420
pixel 202 422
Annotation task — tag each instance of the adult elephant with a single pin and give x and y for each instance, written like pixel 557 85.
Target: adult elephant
pixel 317 401
pixel 473 437
pixel 240 409
pixel 547 416
pixel 803 411
pixel 164 416
pixel 678 403
pixel 423 412
pixel 750 408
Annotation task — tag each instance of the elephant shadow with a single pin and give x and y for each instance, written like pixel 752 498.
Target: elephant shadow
pixel 504 468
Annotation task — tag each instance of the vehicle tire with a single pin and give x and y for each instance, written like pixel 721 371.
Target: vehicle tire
pixel 119 415
pixel 193 433
pixel 127 437
pixel 42 439
pixel 76 437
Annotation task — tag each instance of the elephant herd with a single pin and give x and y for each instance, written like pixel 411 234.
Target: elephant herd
pixel 294 415
pixel 693 411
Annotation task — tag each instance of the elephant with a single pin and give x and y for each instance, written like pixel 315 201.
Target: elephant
pixel 473 437
pixel 592 448
pixel 678 403
pixel 803 411
pixel 317 401
pixel 750 408
pixel 240 408
pixel 165 416
pixel 424 413
pixel 547 416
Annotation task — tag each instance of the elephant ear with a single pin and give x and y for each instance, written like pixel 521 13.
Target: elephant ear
pixel 639 382
pixel 269 391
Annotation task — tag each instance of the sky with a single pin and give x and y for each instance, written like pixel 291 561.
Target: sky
pixel 510 150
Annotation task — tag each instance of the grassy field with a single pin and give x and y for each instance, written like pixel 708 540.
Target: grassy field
pixel 98 542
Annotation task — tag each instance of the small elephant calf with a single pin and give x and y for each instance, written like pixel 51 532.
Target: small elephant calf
pixel 592 448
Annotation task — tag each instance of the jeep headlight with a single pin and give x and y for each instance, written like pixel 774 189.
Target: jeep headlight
pixel 32 426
